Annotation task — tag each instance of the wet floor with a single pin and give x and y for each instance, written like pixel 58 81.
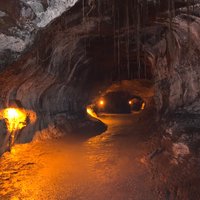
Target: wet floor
pixel 105 167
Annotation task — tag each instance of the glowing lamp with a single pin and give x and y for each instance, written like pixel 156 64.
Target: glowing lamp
pixel 143 106
pixel 130 102
pixel 101 103
pixel 15 118
pixel 12 113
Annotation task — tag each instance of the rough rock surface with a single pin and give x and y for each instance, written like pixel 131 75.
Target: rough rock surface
pixel 21 20
pixel 54 62
pixel 45 78
pixel 176 59
pixel 60 60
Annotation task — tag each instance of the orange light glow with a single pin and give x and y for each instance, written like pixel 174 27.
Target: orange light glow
pixel 91 112
pixel 130 102
pixel 15 118
pixel 12 113
pixel 101 102
pixel 143 106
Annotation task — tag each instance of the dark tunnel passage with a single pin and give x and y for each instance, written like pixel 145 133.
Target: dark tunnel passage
pixel 99 99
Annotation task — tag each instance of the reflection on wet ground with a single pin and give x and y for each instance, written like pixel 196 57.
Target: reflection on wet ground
pixel 104 167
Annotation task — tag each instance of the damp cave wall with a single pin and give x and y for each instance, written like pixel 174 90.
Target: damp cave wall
pixel 64 64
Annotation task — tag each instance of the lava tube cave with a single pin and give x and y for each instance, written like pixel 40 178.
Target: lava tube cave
pixel 99 99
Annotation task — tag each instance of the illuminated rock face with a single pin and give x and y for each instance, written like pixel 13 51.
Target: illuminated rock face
pixel 45 78
pixel 20 22
pixel 57 62
pixel 16 119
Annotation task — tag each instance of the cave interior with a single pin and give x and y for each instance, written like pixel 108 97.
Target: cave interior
pixel 104 94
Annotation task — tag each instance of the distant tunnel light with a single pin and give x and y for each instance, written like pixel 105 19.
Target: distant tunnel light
pixel 143 106
pixel 101 102
pixel 91 112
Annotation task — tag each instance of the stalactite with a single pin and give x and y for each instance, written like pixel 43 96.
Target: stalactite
pixel 193 7
pixel 128 39
pixel 146 11
pixel 173 8
pixel 99 14
pixel 114 32
pixel 138 38
pixel 188 23
pixel 118 44
pixel 156 6
pixel 170 15
pixel 170 38
pixel 83 8
pixel 132 23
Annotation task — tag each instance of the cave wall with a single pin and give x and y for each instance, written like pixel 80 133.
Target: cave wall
pixel 176 60
pixel 20 22
pixel 59 66
pixel 55 77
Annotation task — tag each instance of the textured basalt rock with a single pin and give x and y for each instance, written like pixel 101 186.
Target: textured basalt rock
pixel 21 20
pixel 175 58
pixel 51 78
pixel 54 61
